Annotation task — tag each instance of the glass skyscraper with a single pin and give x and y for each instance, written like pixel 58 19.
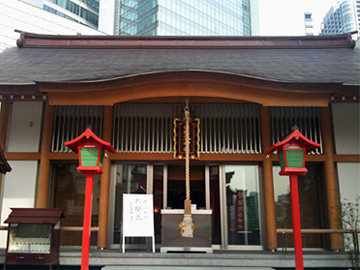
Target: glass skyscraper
pixel 357 13
pixel 184 18
pixel 341 18
pixel 82 11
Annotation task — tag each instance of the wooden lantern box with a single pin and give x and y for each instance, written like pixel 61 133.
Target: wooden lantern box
pixel 33 236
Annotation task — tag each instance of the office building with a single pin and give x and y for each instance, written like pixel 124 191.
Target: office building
pixel 22 16
pixel 341 18
pixel 309 24
pixel 186 18
pixel 85 12
pixel 357 13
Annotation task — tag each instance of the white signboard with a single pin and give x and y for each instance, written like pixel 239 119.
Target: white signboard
pixel 138 217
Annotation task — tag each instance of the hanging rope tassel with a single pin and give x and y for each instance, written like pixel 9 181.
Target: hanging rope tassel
pixel 188 230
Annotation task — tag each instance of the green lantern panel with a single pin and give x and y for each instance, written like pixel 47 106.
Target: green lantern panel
pixel 295 158
pixel 282 160
pixel 89 157
pixel 101 158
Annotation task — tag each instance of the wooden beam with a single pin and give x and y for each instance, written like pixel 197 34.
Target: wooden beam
pixel 232 157
pixel 22 156
pixel 347 158
pixel 191 84
pixel 63 156
pixel 77 229
pixel 317 231
pixel 212 90
pixel 18 90
pixel 169 157
pixel 309 158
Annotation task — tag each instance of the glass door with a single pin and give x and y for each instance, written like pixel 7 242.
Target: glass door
pixel 241 212
pixel 212 173
pixel 312 208
pixel 68 192
pixel 176 186
pixel 127 179
pixel 204 188
pixel 158 196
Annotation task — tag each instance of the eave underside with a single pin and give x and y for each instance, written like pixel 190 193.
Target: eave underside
pixel 173 86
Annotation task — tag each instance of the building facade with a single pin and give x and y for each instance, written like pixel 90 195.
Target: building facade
pixel 186 18
pixel 341 18
pixel 130 90
pixel 309 24
pixel 83 12
pixel 358 14
pixel 16 15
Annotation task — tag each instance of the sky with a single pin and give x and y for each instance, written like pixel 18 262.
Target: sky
pixel 286 17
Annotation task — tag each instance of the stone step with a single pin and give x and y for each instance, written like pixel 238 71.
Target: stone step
pixel 227 260
pixel 168 267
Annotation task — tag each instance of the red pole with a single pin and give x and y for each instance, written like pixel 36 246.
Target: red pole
pixel 295 208
pixel 87 222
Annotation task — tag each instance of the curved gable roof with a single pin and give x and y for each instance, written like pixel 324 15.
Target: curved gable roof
pixel 46 58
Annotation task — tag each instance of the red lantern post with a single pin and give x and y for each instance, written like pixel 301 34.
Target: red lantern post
pixel 292 151
pixel 91 152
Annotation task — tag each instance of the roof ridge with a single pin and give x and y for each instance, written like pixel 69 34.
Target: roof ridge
pixel 32 40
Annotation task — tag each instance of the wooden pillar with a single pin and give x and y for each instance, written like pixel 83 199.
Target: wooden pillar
pixel 105 181
pixel 43 184
pixel 330 179
pixel 4 122
pixel 268 180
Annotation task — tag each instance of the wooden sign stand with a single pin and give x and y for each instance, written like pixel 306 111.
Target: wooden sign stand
pixel 138 217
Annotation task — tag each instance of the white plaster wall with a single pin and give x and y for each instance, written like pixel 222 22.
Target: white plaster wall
pixel 18 190
pixel 25 127
pixel 349 180
pixel 346 120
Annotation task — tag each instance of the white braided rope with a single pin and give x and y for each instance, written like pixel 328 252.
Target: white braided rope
pixel 187 153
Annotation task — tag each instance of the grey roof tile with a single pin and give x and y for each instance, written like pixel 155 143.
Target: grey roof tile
pixel 313 65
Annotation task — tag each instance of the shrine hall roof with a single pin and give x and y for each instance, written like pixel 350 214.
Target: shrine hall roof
pixel 55 58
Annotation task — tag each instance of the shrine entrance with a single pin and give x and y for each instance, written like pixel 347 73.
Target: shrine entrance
pixel 231 192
